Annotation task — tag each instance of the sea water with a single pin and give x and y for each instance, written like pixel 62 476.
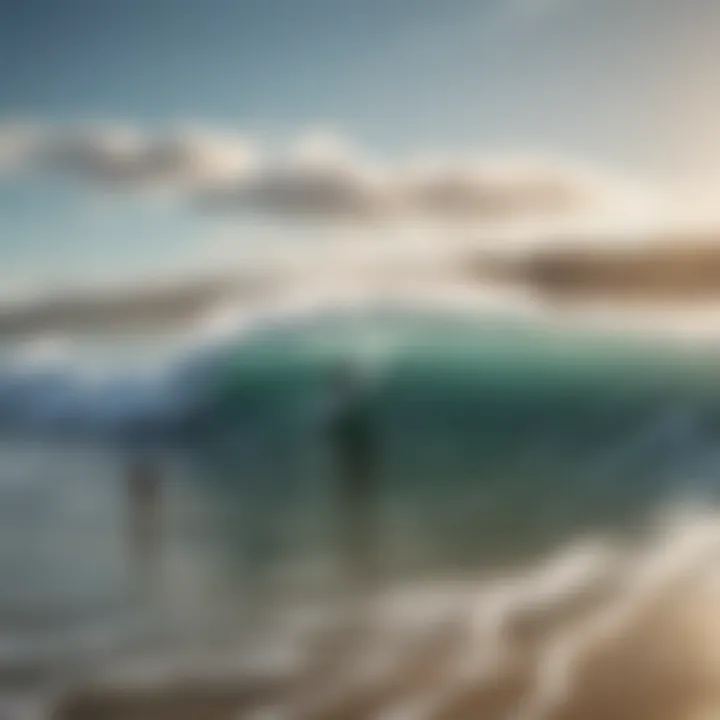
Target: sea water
pixel 500 444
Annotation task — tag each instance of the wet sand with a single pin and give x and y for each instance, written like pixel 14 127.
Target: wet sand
pixel 598 633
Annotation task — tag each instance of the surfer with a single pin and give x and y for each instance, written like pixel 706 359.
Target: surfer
pixel 354 449
pixel 144 504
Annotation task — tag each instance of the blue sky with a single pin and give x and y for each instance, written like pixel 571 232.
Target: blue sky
pixel 625 83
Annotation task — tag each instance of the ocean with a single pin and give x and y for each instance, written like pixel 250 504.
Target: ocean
pixel 502 445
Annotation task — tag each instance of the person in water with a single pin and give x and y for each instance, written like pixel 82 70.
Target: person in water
pixel 352 434
pixel 144 490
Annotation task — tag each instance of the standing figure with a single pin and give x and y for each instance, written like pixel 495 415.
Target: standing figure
pixel 144 497
pixel 353 441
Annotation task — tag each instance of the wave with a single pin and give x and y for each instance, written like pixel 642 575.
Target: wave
pixel 50 384
pixel 55 386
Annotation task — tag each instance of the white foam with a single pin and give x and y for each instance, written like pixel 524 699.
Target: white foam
pixel 622 631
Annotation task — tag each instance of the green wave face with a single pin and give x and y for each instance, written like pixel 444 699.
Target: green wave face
pixel 493 437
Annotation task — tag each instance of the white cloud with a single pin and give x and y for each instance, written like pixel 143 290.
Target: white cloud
pixel 334 184
pixel 416 224
pixel 320 176
pixel 123 156
pixel 499 189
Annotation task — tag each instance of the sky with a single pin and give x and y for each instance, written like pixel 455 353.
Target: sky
pixel 625 85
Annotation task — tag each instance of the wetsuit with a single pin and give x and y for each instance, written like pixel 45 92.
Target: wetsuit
pixel 354 448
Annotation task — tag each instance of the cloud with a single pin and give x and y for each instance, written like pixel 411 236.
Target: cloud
pixel 321 176
pixel 450 191
pixel 306 191
pixel 673 273
pixel 500 189
pixel 153 303
pixel 671 264
pixel 122 156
